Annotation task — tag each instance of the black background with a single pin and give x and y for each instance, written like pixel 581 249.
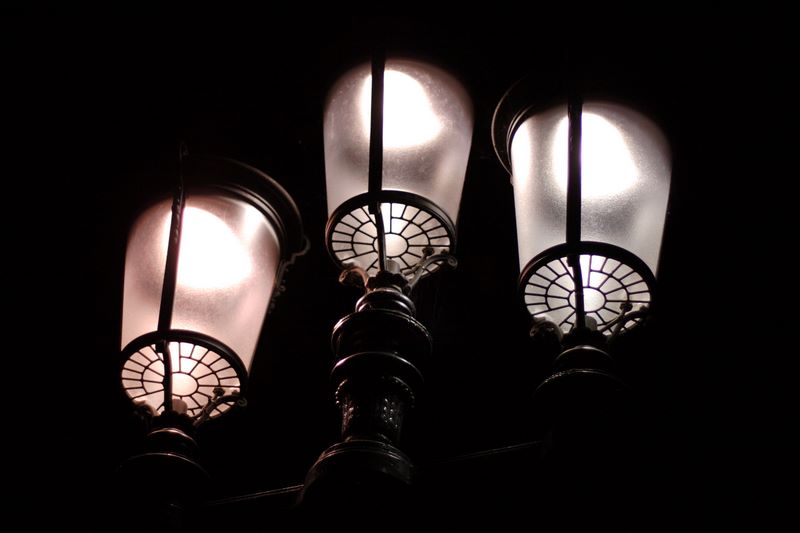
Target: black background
pixel 120 92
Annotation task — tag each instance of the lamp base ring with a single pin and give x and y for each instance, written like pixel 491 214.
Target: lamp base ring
pixel 357 465
pixel 207 376
pixel 615 281
pixel 414 227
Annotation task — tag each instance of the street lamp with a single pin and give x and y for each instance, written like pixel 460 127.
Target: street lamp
pixel 420 165
pixel 200 271
pixel 397 136
pixel 591 184
pixel 590 188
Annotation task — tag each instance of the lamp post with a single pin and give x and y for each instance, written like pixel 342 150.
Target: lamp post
pixel 200 271
pixel 397 136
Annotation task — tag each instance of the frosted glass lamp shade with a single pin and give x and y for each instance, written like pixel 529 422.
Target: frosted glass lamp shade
pixel 427 133
pixel 232 246
pixel 625 181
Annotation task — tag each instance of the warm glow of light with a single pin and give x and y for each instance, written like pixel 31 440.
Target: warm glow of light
pixel 607 167
pixel 396 245
pixel 175 356
pixel 182 383
pixel 408 117
pixel 522 148
pixel 211 255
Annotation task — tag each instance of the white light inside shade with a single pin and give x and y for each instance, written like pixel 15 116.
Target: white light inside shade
pixel 427 133
pixel 408 116
pixel 607 166
pixel 211 256
pixel 227 263
pixel 625 176
pixel 183 384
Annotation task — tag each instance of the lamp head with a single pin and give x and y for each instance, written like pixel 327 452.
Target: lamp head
pixel 591 184
pixel 407 210
pixel 200 272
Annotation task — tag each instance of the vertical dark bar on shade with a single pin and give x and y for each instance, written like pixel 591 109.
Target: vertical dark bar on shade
pixel 574 114
pixel 376 151
pixel 574 111
pixel 171 277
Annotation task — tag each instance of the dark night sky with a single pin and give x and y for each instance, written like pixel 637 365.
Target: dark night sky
pixel 252 88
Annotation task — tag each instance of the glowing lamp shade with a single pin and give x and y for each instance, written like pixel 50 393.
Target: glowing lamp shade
pixel 624 188
pixel 427 133
pixel 232 247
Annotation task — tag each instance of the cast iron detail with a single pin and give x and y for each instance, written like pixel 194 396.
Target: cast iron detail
pixel 165 481
pixel 373 409
pixel 358 470
pixel 380 331
pixel 378 350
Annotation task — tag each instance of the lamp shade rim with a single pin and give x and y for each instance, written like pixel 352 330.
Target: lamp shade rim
pixel 530 96
pixel 524 98
pixel 256 188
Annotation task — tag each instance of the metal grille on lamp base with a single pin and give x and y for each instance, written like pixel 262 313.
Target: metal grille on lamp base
pixel 205 373
pixel 611 277
pixel 414 229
